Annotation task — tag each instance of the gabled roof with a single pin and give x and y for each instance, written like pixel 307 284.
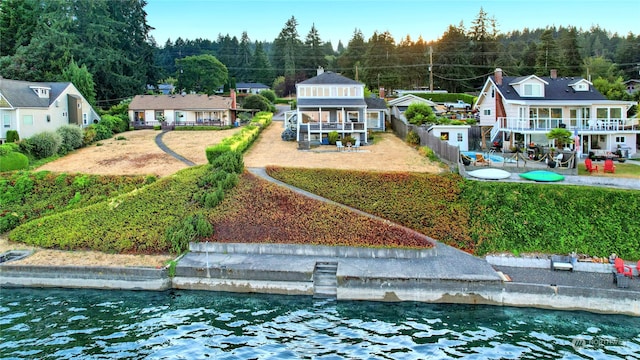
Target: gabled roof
pixel 521 79
pixel 21 95
pixel 179 102
pixel 329 78
pixel 409 99
pixel 251 86
pixel 376 103
pixel 558 89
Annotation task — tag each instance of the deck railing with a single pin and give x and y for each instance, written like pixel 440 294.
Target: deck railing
pixel 328 126
pixel 546 124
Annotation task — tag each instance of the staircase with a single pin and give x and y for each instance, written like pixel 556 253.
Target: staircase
pixel 325 281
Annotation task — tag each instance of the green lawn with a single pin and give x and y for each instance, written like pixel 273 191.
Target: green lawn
pixel 622 170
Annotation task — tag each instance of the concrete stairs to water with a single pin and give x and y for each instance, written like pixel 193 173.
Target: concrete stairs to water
pixel 325 281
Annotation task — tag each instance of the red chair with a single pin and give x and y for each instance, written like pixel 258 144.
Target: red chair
pixel 638 267
pixel 589 165
pixel 623 269
pixel 609 167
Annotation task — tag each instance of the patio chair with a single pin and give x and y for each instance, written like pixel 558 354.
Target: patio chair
pixel 609 167
pixel 339 145
pixel 589 165
pixel 623 269
pixel 481 160
pixel 356 146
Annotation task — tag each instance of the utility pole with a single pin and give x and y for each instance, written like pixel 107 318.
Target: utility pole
pixel 356 72
pixel 431 68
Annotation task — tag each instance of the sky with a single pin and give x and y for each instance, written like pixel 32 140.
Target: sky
pixel 337 20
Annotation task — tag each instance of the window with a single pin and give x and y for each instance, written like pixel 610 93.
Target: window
pixel 159 115
pixel 6 121
pixel 486 112
pixel 85 120
pixel 27 120
pixel 352 116
pixel 602 113
pixel 620 139
pixel 138 115
pixel 532 90
pixel 459 137
pixel 615 113
pixel 444 136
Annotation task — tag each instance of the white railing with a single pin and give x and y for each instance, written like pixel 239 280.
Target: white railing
pixel 523 124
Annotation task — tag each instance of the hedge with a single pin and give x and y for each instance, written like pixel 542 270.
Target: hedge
pixel 13 161
pixel 241 140
pixel 131 223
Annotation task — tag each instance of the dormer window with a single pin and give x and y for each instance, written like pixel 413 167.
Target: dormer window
pixel 532 90
pixel 42 92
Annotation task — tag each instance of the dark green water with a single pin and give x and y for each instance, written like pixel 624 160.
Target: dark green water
pixel 91 324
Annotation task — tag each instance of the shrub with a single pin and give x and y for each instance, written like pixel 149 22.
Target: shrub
pixel 72 138
pixel 428 153
pixel 89 135
pixel 116 124
pixel 230 161
pixel 102 132
pixel 333 137
pixel 13 161
pixel 419 113
pixel 257 102
pixel 12 136
pixel 181 234
pixel 413 138
pixel 45 144
pixel 269 95
pixel 9 148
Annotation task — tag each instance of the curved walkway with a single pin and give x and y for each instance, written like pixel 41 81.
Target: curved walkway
pixel 166 149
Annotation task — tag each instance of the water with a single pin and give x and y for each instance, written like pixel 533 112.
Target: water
pixel 92 324
pixel 492 157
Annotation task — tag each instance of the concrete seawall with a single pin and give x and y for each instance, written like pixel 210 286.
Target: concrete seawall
pixel 439 275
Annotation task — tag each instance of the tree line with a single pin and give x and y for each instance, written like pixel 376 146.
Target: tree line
pixel 107 43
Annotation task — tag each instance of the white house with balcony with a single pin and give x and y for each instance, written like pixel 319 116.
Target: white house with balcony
pixel 522 110
pixel 331 102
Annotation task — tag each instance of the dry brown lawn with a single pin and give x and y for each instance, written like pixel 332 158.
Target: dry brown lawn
pixel 138 154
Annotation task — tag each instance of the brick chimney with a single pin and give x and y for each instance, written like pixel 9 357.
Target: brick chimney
pixel 554 73
pixel 498 76
pixel 381 93
pixel 320 70
pixel 232 94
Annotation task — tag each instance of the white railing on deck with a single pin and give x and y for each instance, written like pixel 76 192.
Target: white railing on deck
pixel 523 124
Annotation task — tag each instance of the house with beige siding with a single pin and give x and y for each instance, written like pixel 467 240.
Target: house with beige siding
pixel 186 109
pixel 33 107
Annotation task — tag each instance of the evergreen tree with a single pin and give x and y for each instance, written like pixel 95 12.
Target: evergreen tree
pixel 244 73
pixel 352 57
pixel 18 21
pixel 286 50
pixel 261 68
pixel 548 56
pixel 313 54
pixel 484 46
pixel 381 62
pixel 82 80
pixel 571 59
pixel 628 56
pixel 412 56
pixel 451 58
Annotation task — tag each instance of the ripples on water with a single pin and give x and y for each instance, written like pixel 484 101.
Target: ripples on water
pixel 88 324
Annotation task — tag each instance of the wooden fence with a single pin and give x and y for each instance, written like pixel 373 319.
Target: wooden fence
pixel 443 149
